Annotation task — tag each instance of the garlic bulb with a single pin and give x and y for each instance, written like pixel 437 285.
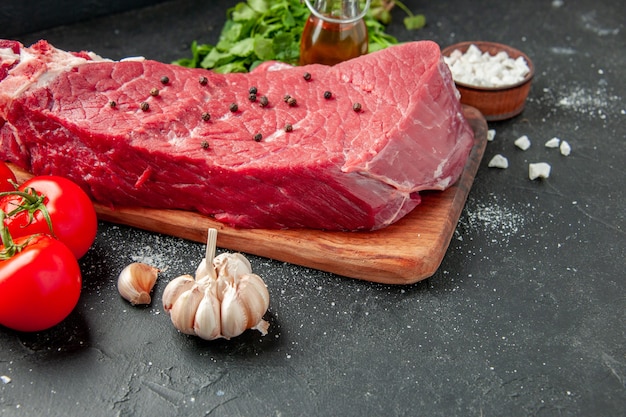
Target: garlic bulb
pixel 136 281
pixel 223 300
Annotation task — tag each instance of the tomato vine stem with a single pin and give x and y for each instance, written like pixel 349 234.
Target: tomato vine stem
pixel 9 248
pixel 31 203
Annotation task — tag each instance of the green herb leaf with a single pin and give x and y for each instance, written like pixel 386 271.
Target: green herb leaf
pixel 260 6
pixel 242 12
pixel 243 48
pixel 264 48
pixel 417 21
pixel 215 58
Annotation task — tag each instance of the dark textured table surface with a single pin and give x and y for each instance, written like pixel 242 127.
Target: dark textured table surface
pixel 524 317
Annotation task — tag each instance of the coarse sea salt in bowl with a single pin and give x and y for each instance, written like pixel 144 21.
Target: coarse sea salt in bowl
pixel 492 77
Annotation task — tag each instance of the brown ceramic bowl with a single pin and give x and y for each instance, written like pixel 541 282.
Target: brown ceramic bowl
pixel 495 103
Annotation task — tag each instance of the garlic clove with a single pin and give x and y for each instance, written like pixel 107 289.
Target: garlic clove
pixel 234 314
pixel 136 281
pixel 207 320
pixel 204 272
pixel 174 289
pixel 230 266
pixel 253 290
pixel 183 311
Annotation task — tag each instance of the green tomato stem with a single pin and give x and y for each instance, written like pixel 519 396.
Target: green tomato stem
pixel 31 203
pixel 9 247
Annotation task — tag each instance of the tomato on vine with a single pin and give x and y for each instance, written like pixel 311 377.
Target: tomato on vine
pixel 52 205
pixel 40 281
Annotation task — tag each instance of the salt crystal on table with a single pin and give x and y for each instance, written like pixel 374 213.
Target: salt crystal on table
pixel 499 161
pixel 553 143
pixel 523 142
pixel 539 170
pixel 565 148
pixel 491 134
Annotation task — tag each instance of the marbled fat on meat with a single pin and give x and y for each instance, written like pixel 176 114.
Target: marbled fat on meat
pixel 338 169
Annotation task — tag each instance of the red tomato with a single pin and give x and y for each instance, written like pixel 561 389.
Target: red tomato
pixel 72 214
pixel 39 286
pixel 5 175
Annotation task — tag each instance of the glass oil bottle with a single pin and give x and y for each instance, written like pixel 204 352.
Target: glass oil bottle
pixel 334 32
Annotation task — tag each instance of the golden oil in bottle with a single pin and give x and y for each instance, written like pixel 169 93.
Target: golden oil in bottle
pixel 327 39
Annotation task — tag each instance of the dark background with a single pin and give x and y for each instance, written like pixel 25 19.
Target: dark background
pixel 525 316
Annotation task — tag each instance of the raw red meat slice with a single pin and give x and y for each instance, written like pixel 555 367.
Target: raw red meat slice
pixel 77 115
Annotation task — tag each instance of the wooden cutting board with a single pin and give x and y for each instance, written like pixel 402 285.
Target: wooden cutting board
pixel 405 252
